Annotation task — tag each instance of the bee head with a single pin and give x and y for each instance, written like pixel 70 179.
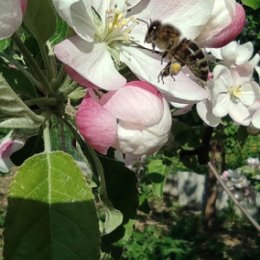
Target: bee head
pixel 153 28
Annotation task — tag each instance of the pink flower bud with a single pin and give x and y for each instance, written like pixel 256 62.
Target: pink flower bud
pixel 230 32
pixel 134 119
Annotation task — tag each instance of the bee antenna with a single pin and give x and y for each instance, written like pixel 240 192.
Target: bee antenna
pixel 141 20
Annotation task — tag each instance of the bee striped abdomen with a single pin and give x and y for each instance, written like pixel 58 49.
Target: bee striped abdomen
pixel 198 56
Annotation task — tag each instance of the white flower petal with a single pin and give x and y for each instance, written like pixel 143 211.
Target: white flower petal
pixel 183 110
pixel 204 110
pixel 257 68
pixel 244 52
pixel 256 119
pixel 190 16
pixel 229 52
pixel 254 61
pixel 242 74
pixel 163 127
pixel 147 66
pixel 216 52
pixel 91 61
pixel 250 92
pixel 219 69
pixel 78 14
pixel 10 17
pixel 239 113
pixel 221 107
pixel 135 140
pixel 101 7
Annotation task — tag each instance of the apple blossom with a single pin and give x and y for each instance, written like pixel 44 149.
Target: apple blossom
pixel 233 94
pixel 11 14
pixel 134 119
pixel 8 145
pixel 234 54
pixel 109 34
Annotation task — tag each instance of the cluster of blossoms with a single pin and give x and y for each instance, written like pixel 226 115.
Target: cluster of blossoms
pixel 109 35
pixel 239 185
pixel 134 117
pixel 233 90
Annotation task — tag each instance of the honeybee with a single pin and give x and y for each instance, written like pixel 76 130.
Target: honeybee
pixel 178 50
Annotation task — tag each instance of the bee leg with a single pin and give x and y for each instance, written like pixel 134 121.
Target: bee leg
pixel 161 76
pixel 164 72
pixel 172 78
pixel 153 46
pixel 163 56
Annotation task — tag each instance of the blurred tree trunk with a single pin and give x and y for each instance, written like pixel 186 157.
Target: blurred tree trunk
pixel 217 156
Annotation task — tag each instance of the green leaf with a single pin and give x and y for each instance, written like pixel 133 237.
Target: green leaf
pixel 157 173
pixel 121 185
pixel 60 32
pixel 40 19
pixel 51 212
pixel 4 44
pixel 13 112
pixel 19 83
pixel 255 4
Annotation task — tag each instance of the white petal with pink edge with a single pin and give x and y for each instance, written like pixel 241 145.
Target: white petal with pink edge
pixel 147 66
pixel 91 61
pixel 190 16
pixel 228 34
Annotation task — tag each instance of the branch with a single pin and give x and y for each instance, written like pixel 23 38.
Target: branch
pixel 236 202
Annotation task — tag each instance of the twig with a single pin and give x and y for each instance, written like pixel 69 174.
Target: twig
pixel 236 202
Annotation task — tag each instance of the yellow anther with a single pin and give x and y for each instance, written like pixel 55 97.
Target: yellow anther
pixel 236 92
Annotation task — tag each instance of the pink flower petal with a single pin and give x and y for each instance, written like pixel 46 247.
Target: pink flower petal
pixel 135 104
pixel 229 33
pixel 23 4
pixel 96 124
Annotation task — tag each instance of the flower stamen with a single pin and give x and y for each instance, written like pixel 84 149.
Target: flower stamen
pixel 235 92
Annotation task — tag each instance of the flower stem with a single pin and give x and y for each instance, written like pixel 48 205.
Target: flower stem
pixel 46 137
pixel 41 101
pixel 32 63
